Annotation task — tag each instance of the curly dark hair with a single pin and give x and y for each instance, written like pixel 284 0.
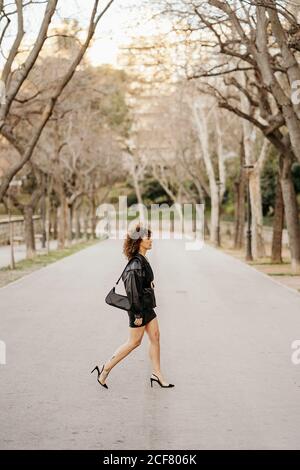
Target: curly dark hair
pixel 133 240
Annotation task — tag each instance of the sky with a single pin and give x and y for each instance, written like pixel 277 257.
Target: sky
pixel 111 31
pixel 122 20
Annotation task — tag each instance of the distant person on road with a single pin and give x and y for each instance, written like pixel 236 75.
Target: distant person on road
pixel 138 277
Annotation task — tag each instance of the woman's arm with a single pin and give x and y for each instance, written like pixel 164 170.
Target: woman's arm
pixel 133 286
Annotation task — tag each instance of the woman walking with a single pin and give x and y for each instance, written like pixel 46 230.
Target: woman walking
pixel 137 276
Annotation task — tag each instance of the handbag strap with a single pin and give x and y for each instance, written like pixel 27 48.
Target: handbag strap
pixel 126 267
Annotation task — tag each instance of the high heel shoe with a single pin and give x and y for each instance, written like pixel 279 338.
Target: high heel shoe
pixel 158 381
pixel 99 373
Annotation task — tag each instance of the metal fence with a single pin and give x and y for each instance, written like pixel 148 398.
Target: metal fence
pixel 18 229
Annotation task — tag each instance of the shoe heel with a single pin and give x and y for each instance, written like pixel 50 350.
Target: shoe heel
pixel 99 373
pixel 159 382
pixel 153 380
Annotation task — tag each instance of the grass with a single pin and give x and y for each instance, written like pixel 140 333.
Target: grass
pixel 268 263
pixel 27 266
pixel 284 274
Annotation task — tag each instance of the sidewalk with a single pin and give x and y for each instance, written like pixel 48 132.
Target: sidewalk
pixel 20 252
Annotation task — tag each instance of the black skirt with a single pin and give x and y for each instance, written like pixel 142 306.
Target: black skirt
pixel 148 315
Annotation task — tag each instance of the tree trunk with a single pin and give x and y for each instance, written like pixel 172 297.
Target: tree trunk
pixel 203 136
pixel 62 220
pixel 93 217
pixel 240 203
pixel 291 210
pixel 239 229
pixel 257 214
pixel 11 241
pixel 77 221
pixel 255 192
pixel 137 187
pixel 55 222
pixel 249 138
pixel 48 223
pixel 86 222
pixel 70 223
pixel 278 226
pixel 215 217
pixel 43 215
pixel 29 231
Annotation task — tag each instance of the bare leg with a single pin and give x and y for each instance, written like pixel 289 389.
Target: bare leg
pixel 153 332
pixel 134 340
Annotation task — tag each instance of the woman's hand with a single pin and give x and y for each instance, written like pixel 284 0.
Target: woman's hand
pixel 138 321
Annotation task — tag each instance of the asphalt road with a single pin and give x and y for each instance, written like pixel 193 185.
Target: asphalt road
pixel 226 335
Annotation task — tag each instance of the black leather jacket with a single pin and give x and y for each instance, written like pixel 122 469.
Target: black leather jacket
pixel 137 275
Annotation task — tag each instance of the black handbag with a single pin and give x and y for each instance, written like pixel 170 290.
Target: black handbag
pixel 118 300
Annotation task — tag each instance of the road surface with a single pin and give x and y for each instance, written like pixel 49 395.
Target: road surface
pixel 226 335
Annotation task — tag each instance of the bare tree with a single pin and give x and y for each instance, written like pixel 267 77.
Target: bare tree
pixel 259 39
pixel 13 84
